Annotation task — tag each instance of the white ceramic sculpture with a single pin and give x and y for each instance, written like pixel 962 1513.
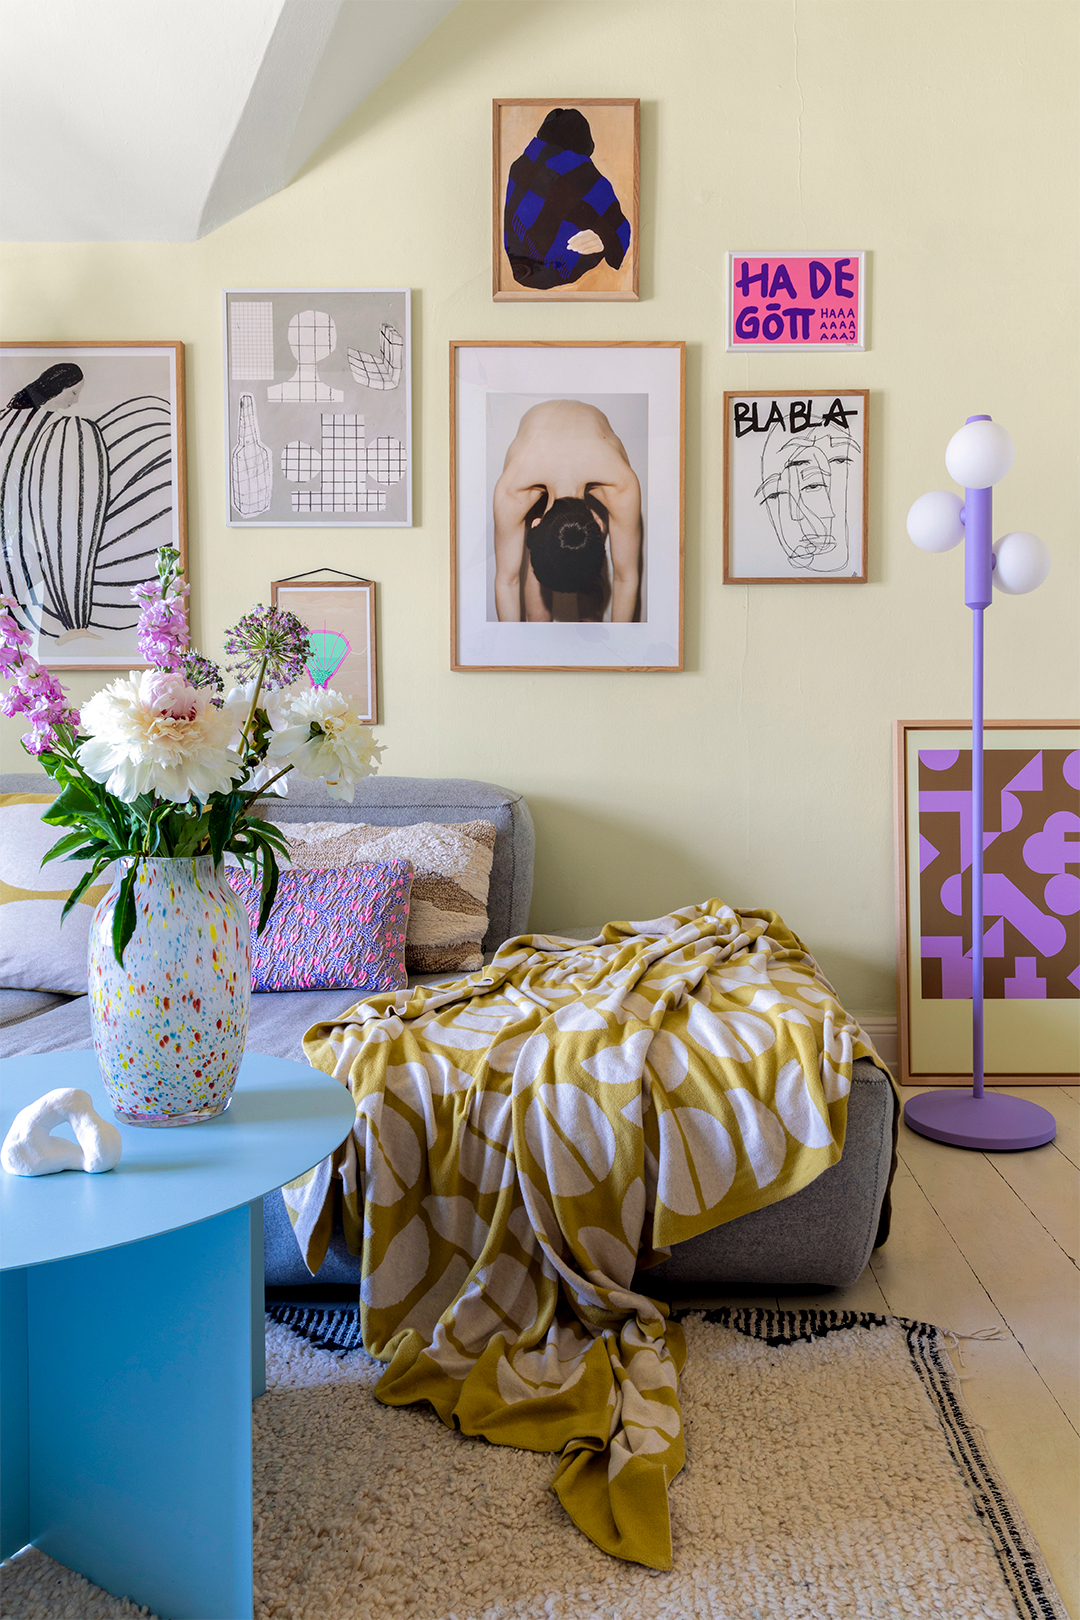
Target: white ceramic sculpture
pixel 29 1150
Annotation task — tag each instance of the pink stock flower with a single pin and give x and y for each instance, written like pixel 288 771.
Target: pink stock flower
pixel 163 627
pixel 33 691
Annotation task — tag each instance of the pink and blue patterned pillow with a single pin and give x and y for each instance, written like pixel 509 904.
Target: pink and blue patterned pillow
pixel 341 928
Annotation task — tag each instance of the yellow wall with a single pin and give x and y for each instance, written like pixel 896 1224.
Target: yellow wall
pixel 940 137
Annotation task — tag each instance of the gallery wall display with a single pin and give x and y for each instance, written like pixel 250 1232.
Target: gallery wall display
pixel 1031 892
pixel 795 483
pixel 796 300
pixel 340 617
pixel 92 481
pixel 318 407
pixel 565 199
pixel 566 499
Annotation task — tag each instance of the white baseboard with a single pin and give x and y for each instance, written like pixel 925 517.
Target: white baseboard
pixel 881 1028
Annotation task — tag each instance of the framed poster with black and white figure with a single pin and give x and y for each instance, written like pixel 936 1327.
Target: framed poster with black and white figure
pixel 318 407
pixel 565 199
pixel 795 487
pixel 92 482
pixel 567 505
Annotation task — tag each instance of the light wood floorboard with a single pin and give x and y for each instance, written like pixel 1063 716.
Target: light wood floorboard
pixel 990 1241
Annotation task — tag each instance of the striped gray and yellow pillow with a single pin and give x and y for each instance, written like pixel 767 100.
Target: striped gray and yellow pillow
pixel 451 872
pixel 36 953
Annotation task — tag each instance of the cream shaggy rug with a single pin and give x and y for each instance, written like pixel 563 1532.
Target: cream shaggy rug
pixel 832 1472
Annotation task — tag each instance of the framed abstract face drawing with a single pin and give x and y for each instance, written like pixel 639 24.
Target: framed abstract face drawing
pixel 318 407
pixel 795 483
pixel 565 200
pixel 91 483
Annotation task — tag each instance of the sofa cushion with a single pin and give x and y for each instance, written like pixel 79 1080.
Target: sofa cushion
pixel 338 928
pixel 36 953
pixel 451 867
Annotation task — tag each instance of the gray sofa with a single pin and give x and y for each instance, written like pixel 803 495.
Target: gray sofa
pixel 820 1237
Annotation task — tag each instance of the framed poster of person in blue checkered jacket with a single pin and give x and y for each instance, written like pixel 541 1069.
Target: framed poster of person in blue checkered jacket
pixel 565 187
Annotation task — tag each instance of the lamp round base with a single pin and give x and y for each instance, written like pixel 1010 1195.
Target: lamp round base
pixel 994 1122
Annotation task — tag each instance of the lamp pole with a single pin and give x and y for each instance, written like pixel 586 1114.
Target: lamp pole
pixel 978 457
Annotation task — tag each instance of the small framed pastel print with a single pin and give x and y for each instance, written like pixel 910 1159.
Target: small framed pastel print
pixel 318 407
pixel 1031 901
pixel 795 485
pixel 92 482
pixel 796 301
pixel 565 199
pixel 566 505
pixel 340 617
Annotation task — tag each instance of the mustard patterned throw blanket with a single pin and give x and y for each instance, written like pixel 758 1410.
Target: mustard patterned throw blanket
pixel 529 1135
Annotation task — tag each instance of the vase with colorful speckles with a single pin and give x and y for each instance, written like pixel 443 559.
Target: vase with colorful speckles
pixel 170 1023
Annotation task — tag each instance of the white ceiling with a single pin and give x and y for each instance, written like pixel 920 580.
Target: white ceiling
pixel 159 120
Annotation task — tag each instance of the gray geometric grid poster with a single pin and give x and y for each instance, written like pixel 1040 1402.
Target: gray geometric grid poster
pixel 318 407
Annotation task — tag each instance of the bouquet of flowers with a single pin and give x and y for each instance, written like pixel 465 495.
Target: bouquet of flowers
pixel 165 761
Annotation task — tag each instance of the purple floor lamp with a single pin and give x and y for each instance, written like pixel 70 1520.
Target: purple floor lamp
pixel 978 456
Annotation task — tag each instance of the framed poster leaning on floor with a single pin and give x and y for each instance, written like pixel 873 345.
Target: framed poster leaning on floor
pixel 1031 901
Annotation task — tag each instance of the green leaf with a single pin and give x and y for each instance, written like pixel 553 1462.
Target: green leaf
pixel 72 845
pixel 126 915
pixel 84 883
pixel 269 889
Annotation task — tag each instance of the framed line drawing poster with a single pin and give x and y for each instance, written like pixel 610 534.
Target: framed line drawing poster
pixel 318 407
pixel 795 487
pixel 565 194
pixel 340 617
pixel 92 481
pixel 796 301
pixel 1031 901
pixel 566 502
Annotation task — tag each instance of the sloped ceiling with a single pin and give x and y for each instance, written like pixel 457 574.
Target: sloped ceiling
pixel 160 120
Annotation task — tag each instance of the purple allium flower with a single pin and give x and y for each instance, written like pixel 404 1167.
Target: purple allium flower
pixel 203 672
pixel 272 636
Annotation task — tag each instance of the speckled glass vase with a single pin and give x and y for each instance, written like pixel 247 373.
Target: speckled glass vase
pixel 170 1024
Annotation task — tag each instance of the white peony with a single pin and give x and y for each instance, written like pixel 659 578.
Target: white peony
pixel 153 733
pixel 275 705
pixel 324 739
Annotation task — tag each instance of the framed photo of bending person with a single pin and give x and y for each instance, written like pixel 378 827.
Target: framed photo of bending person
pixel 795 487
pixel 566 495
pixel 1031 901
pixel 565 199
pixel 91 483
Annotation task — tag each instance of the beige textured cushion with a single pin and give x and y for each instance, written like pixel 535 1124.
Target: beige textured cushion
pixel 35 952
pixel 451 871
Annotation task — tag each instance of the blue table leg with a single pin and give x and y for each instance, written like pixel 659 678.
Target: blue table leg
pixel 14 1415
pixel 140 1382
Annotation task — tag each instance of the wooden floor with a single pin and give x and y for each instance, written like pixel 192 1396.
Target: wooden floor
pixel 991 1241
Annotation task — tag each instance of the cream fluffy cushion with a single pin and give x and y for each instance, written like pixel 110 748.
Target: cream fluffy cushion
pixel 36 953
pixel 451 871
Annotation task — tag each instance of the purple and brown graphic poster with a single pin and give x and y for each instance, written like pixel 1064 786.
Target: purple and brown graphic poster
pixel 1031 888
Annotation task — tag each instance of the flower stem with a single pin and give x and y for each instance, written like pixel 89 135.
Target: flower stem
pixel 267 785
pixel 254 703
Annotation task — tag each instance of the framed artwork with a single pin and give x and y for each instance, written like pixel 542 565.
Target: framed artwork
pixel 340 616
pixel 795 482
pixel 318 407
pixel 566 499
pixel 796 300
pixel 92 481
pixel 1031 893
pixel 565 199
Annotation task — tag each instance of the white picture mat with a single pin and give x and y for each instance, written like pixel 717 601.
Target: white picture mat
pixel 110 376
pixel 754 549
pixel 362 331
pixel 570 373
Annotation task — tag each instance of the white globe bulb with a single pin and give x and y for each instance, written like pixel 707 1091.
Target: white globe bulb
pixel 934 521
pixel 1021 562
pixel 979 455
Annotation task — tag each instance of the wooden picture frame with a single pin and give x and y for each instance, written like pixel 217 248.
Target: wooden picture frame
pixel 629 398
pixel 795 498
pixel 342 609
pixel 106 438
pixel 1032 938
pixel 581 175
pixel 318 407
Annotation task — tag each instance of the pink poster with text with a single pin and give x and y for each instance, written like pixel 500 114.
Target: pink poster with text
pixel 796 300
